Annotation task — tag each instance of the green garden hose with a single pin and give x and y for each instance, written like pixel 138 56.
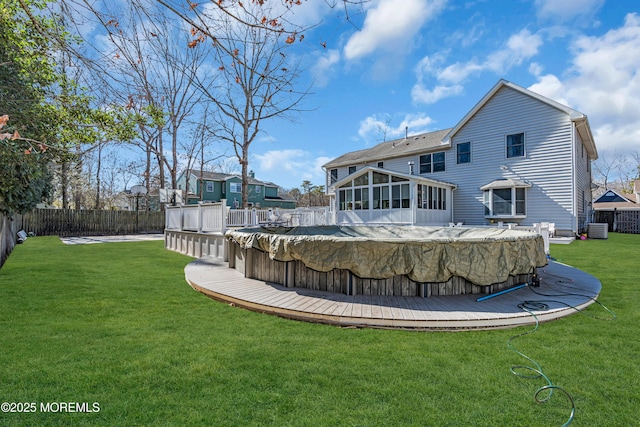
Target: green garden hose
pixel 535 371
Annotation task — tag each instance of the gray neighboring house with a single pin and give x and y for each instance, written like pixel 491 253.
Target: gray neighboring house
pixel 516 157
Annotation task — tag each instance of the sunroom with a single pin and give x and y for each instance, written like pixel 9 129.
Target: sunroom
pixel 373 195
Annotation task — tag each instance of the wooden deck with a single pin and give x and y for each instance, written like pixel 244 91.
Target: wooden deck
pixel 563 287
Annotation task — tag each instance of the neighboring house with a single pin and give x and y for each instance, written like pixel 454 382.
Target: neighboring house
pixel 214 186
pixel 611 200
pixel 620 210
pixel 142 202
pixel 516 157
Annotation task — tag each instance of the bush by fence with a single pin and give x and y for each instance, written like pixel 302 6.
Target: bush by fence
pixel 69 222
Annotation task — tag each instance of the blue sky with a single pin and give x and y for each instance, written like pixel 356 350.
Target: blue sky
pixel 423 64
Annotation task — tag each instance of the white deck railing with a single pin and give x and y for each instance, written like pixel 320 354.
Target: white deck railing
pixel 218 217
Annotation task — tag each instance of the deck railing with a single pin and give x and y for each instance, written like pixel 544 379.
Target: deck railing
pixel 218 217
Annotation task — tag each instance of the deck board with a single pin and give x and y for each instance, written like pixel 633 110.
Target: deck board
pixel 212 277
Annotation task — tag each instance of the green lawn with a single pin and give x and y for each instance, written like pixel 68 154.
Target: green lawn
pixel 117 324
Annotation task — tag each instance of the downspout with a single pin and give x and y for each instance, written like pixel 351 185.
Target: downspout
pixel 574 178
pixel 451 203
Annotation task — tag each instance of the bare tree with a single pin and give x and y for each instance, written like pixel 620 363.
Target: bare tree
pixel 275 16
pixel 256 82
pixel 603 169
pixel 153 72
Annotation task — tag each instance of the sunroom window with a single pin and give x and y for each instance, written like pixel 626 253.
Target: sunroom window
pixel 430 197
pixel 375 190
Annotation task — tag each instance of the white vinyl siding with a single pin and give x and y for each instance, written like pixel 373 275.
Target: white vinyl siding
pixel 547 164
pixel 552 164
pixel 583 184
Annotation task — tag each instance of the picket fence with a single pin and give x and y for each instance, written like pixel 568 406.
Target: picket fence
pixel 218 217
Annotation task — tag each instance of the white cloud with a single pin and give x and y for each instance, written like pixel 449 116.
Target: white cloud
pixel 390 25
pixel 518 48
pixel 420 94
pixel 564 10
pixel 389 32
pixel 376 129
pixel 323 68
pixel 288 168
pixel 604 82
pixel 551 87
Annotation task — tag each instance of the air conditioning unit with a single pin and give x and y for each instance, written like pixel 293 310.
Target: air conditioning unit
pixel 598 231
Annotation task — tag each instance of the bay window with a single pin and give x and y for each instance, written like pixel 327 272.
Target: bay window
pixel 509 202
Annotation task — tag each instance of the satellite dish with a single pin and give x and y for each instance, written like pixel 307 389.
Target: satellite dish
pixel 137 190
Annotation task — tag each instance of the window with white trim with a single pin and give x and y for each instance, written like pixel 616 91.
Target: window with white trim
pixel 380 190
pixel 375 190
pixel 354 195
pixel 432 197
pixel 507 202
pixel 235 187
pixel 209 188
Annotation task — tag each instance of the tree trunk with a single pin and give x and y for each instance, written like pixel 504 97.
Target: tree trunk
pixel 64 183
pixel 99 165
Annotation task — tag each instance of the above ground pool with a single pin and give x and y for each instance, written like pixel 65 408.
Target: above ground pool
pixel 388 260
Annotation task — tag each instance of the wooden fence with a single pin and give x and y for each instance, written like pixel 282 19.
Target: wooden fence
pixel 69 222
pixel 7 238
pixel 628 221
pixel 620 220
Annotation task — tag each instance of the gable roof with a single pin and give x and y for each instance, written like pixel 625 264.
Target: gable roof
pixel 415 144
pixel 441 139
pixel 611 199
pixel 612 196
pixel 418 178
pixel 580 119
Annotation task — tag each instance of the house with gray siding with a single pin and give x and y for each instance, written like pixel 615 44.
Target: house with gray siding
pixel 517 157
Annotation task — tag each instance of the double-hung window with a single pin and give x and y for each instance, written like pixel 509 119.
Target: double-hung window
pixel 334 176
pixel 463 153
pixel 515 145
pixel 433 162
pixel 235 187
